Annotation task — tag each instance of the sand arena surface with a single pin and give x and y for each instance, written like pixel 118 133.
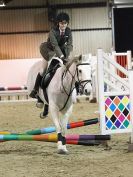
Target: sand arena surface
pixel 39 159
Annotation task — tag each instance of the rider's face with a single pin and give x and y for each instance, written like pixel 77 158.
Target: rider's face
pixel 63 25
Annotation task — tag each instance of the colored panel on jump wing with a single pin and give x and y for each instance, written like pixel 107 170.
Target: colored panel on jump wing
pixel 117 114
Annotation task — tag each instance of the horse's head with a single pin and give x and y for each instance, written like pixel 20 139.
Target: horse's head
pixel 85 78
pixel 83 74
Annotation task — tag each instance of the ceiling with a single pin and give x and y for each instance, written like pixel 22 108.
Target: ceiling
pixel 45 3
pixel 21 3
pixel 18 3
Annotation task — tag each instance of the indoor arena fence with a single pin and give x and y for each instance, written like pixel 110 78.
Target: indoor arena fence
pixel 14 94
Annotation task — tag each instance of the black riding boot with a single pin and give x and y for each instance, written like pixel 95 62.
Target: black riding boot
pixel 50 73
pixel 35 90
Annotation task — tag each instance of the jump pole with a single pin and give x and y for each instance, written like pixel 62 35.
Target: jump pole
pixel 72 142
pixel 13 88
pixel 52 129
pixel 86 143
pixel 52 137
pixel 69 126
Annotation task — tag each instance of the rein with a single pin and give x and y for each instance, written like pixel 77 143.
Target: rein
pixel 73 78
pixel 71 90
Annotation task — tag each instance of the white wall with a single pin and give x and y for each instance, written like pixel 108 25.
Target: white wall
pixel 14 72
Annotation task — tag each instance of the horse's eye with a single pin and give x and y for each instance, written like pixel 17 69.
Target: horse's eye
pixel 80 71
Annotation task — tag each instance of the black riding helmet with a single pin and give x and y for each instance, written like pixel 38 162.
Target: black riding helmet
pixel 62 17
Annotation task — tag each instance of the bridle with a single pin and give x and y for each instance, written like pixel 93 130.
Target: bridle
pixel 82 84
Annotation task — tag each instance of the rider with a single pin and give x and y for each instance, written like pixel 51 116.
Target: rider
pixel 59 44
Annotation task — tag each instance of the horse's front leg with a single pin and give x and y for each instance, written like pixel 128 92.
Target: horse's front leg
pixel 64 122
pixel 58 125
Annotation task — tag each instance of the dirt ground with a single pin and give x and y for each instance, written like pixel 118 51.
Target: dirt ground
pixel 39 159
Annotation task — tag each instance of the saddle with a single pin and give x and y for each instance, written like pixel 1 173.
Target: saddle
pixel 53 66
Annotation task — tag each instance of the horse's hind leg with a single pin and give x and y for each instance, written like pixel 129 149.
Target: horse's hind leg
pixel 44 114
pixel 39 103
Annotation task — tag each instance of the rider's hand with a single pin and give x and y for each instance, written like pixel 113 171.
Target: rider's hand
pixel 64 59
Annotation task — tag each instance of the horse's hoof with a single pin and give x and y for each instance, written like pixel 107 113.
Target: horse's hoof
pixel 63 152
pixel 39 105
pixel 62 148
pixel 43 116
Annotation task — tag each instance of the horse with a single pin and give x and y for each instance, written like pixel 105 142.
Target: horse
pixel 59 92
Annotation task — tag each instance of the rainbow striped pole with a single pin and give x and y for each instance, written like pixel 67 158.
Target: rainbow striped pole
pixel 52 137
pixel 69 126
pixel 52 129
